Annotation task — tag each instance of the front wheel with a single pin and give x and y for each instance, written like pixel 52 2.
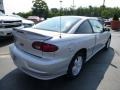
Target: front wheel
pixel 75 66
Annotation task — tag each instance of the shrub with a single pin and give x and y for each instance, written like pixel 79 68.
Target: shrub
pixel 115 17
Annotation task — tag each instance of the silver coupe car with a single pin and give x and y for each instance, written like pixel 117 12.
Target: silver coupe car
pixel 58 46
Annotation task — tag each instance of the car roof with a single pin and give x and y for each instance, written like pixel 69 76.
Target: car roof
pixel 80 17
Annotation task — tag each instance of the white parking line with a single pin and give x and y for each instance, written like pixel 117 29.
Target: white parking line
pixel 5 56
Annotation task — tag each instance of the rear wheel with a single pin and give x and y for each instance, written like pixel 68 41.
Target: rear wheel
pixel 107 45
pixel 75 66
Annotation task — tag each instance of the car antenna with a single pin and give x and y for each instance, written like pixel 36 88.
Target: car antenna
pixel 60 15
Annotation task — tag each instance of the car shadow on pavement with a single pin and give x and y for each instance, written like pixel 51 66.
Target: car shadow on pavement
pixel 6 41
pixel 89 79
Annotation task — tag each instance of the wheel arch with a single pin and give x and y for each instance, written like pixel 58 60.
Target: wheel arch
pixel 83 52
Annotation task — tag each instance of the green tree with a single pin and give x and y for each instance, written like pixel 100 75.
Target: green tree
pixel 53 12
pixel 40 8
pixel 105 13
pixel 115 17
pixel 25 15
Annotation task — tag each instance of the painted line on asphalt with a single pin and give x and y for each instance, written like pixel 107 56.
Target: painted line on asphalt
pixel 5 56
pixel 117 52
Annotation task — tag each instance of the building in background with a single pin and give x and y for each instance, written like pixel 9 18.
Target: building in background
pixel 2 6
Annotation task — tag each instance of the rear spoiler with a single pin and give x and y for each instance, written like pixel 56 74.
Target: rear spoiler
pixel 22 31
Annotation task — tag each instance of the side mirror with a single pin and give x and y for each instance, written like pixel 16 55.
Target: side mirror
pixel 106 29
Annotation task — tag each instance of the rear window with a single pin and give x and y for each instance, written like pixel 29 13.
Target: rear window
pixel 53 24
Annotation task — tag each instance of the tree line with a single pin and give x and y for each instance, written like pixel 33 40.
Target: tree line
pixel 41 9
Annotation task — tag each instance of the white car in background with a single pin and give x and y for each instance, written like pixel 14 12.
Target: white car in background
pixel 7 23
pixel 26 23
pixel 58 46
pixel 36 19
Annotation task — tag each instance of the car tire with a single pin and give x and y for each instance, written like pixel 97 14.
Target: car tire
pixel 107 45
pixel 75 66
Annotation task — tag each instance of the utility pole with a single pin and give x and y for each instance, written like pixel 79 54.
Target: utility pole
pixel 73 6
pixel 103 3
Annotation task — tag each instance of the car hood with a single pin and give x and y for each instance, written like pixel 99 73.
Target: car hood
pixel 8 18
pixel 27 21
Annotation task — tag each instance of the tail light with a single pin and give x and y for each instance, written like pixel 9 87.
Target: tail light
pixel 45 47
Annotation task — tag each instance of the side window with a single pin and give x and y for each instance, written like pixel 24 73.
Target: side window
pixel 84 28
pixel 97 26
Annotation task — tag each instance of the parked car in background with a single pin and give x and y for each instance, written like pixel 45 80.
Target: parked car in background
pixel 26 23
pixel 35 19
pixel 7 23
pixel 58 46
pixel 108 22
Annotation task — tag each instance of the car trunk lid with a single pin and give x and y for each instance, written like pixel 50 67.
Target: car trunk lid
pixel 25 37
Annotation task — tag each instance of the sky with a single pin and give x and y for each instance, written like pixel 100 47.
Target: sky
pixel 16 6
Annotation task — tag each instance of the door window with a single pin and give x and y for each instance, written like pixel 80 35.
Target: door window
pixel 96 25
pixel 84 28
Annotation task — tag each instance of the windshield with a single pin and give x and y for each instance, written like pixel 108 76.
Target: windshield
pixel 2 14
pixel 53 24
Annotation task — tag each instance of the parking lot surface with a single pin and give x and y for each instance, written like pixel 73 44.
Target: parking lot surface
pixel 102 72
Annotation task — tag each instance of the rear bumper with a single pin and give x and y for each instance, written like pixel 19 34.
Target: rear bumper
pixel 38 67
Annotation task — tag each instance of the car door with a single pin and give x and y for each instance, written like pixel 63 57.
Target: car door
pixel 100 35
pixel 88 39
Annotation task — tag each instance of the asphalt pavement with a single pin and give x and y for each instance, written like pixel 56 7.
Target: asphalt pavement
pixel 102 72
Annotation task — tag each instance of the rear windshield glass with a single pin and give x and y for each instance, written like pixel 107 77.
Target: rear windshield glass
pixel 53 24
